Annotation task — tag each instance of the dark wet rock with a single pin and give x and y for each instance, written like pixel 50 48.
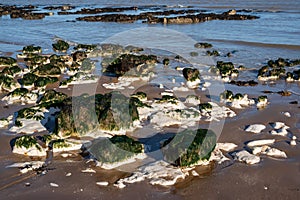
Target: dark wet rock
pixel 127 62
pixel 47 69
pixel 61 46
pixel 166 61
pixel 28 113
pixel 44 81
pixel 185 17
pixel 244 83
pixel 62 8
pixel 225 69
pixel 284 93
pixel 203 45
pixel 34 60
pixel 213 53
pixel 79 56
pixel 18 92
pixel 28 79
pixel 227 95
pixel 191 74
pixel 7 61
pixel 194 54
pixel 51 97
pixel 27 142
pixel 111 49
pixel 32 49
pixel 90 11
pixel 85 47
pixel 110 112
pixel 115 149
pixel 134 49
pixel 276 69
pixel 205 107
pixel 7 83
pixel 11 71
pixel 293 102
pixel 189 147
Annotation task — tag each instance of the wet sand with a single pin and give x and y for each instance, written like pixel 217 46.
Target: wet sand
pixel 270 179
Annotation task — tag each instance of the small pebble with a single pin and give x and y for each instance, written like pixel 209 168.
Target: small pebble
pixel 69 174
pixel 287 114
pixel 102 183
pixel 27 184
pixel 266 188
pixel 54 185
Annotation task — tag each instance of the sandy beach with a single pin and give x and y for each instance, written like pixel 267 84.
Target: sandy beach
pixel 150 100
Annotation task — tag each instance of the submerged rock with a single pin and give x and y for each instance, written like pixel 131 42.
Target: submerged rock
pixel 189 147
pixel 203 45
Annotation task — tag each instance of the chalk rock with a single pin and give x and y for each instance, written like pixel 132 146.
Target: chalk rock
pixel 255 143
pixel 269 151
pixel 245 156
pixel 255 128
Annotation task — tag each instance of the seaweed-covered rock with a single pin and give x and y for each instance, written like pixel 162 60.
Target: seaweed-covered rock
pixel 111 112
pixel 140 95
pixel 203 45
pixel 28 145
pixel 11 71
pixel 7 61
pixel 115 150
pixel 52 97
pixel 189 147
pixel 44 81
pixel 28 79
pixel 20 95
pixel 61 46
pixel 79 78
pixel 226 96
pixel 32 49
pixel 205 107
pixel 262 101
pixel 79 56
pixel 192 76
pixel 85 47
pixel 225 69
pixel 166 61
pixel 47 69
pixel 7 83
pixel 213 53
pixel 34 60
pixel 127 62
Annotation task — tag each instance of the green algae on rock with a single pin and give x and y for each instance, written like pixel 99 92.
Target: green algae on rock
pixel 109 112
pixel 115 149
pixel 127 62
pixel 189 147
pixel 61 46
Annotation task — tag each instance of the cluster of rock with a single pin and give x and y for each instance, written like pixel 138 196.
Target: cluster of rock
pixel 239 100
pixel 276 69
pixel 156 17
pixel 24 12
pixel 226 70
